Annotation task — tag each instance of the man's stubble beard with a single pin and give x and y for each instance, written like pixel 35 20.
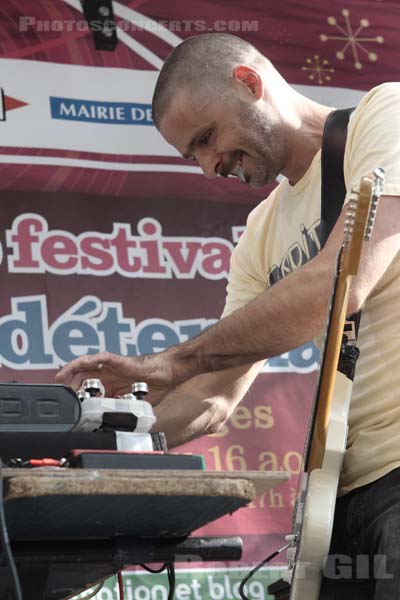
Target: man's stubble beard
pixel 265 136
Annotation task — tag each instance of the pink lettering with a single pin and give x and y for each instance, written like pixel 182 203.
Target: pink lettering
pixel 123 246
pixel 59 252
pixel 23 240
pixel 95 255
pixel 35 249
pixel 216 261
pixel 177 251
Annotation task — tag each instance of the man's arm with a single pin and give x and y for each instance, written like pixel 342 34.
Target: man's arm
pixel 294 310
pixel 283 317
pixel 202 404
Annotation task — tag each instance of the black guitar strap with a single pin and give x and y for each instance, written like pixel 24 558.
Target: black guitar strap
pixel 333 192
pixel 333 189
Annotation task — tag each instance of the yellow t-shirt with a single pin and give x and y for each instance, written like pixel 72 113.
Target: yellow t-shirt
pixel 282 234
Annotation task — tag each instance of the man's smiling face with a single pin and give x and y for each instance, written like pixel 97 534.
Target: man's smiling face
pixel 226 136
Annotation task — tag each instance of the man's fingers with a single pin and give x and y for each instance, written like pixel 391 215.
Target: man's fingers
pixel 79 378
pixel 83 364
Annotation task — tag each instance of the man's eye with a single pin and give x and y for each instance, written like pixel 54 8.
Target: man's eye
pixel 205 139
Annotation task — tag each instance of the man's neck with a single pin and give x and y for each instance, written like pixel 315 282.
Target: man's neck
pixel 306 141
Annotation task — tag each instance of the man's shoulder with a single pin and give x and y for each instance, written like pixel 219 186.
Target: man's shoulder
pixel 374 137
pixel 387 87
pixel 385 92
pixel 377 107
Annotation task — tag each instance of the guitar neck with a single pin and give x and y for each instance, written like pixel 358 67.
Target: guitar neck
pixel 358 228
pixel 319 421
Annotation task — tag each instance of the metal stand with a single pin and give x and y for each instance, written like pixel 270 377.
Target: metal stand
pixel 56 570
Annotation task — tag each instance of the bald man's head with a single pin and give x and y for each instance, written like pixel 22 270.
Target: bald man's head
pixel 202 66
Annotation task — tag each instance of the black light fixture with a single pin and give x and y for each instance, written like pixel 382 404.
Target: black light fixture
pixel 2 106
pixel 100 17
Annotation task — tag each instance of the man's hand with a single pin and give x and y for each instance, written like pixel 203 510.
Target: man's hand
pixel 117 373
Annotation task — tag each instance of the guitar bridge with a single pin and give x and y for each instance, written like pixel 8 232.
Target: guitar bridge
pixel 349 352
pixel 349 330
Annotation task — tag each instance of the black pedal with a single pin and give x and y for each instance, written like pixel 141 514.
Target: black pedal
pixel 39 444
pixel 97 459
pixel 38 407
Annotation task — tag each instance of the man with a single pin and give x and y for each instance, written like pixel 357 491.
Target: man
pixel 224 105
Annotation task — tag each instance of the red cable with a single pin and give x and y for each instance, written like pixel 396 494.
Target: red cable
pixel 44 462
pixel 120 585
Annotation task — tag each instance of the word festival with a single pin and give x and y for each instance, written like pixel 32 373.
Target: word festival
pixel 36 249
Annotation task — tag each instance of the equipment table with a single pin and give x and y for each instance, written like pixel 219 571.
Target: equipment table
pixel 71 528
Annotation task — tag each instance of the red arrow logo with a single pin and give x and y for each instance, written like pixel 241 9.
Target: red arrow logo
pixel 11 103
pixel 8 103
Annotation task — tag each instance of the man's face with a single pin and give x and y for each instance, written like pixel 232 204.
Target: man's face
pixel 227 136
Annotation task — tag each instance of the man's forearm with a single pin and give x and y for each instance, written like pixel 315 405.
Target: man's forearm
pixel 202 404
pixel 285 316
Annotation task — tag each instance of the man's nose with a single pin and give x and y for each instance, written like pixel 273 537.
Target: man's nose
pixel 208 161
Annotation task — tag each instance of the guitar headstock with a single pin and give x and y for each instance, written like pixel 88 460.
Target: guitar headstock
pixel 360 217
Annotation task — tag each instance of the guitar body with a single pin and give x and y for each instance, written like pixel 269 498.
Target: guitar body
pixel 319 499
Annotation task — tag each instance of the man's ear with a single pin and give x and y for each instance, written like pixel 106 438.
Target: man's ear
pixel 250 79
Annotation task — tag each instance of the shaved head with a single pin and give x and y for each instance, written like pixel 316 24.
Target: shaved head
pixel 201 65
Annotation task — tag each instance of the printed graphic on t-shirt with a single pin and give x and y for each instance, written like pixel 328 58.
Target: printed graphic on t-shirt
pixel 298 253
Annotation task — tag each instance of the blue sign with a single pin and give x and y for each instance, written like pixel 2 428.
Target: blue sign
pixel 93 111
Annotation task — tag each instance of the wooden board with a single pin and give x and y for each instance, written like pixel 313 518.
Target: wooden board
pixel 86 504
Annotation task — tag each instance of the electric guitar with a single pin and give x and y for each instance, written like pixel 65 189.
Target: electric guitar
pixel 327 436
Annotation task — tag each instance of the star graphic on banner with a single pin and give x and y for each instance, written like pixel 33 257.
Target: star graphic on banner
pixel 318 70
pixel 352 39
